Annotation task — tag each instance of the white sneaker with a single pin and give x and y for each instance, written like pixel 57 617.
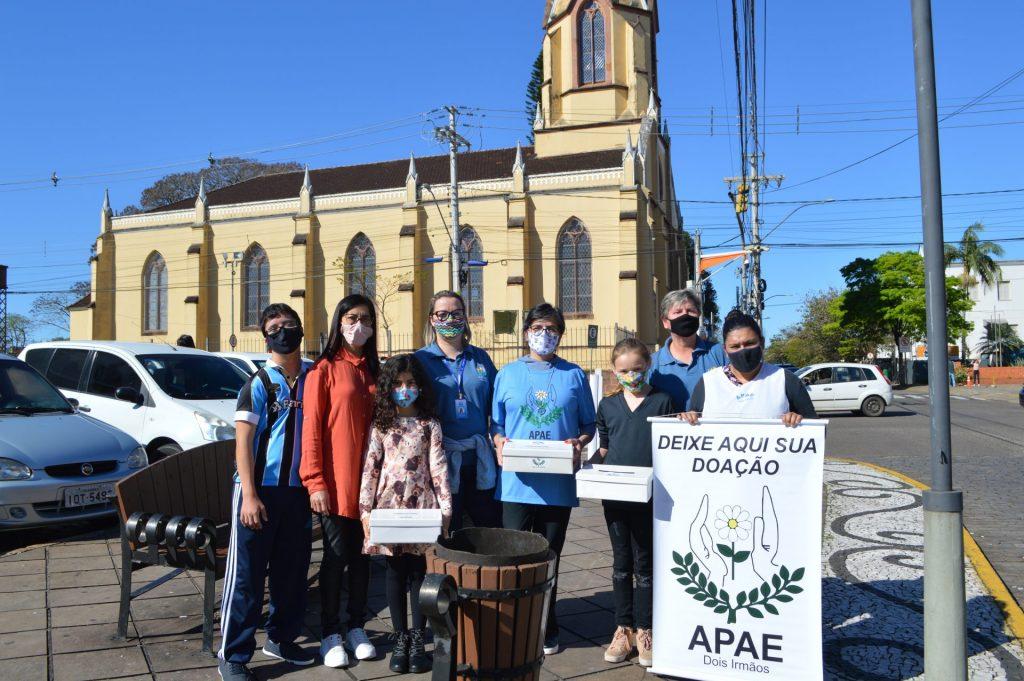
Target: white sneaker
pixel 359 643
pixel 333 652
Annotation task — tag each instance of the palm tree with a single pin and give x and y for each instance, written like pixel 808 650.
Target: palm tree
pixel 976 257
pixel 1000 343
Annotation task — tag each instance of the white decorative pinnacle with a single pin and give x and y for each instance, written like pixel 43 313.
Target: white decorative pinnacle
pixel 412 169
pixel 106 202
pixel 306 184
pixel 202 190
pixel 630 150
pixel 538 119
pixel 652 104
pixel 518 166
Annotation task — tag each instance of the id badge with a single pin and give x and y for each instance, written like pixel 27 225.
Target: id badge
pixel 461 409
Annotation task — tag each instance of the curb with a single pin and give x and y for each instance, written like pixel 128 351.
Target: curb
pixel 1012 612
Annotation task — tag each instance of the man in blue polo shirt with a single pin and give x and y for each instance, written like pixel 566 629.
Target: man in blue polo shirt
pixel 271 532
pixel 683 359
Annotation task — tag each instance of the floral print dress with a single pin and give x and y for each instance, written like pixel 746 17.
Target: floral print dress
pixel 405 468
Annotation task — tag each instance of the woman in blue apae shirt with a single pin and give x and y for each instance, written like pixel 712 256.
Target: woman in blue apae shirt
pixel 542 397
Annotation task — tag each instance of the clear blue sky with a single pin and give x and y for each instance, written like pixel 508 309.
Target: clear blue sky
pixel 92 88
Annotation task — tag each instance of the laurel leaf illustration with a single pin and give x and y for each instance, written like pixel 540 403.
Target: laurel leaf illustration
pixel 700 596
pixel 725 550
pixel 688 559
pixel 720 609
pixel 771 608
pixel 783 598
pixel 741 598
pixel 694 569
pixel 678 571
pixel 784 573
pixel 741 556
pixel 679 559
pixel 712 588
pixel 723 595
pixel 752 595
pixel 692 590
pixel 793 589
pixel 710 603
pixel 776 581
pixel 702 580
pixel 754 612
pixel 685 580
pixel 798 574
pixel 765 589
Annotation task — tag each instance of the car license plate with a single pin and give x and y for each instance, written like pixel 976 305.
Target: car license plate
pixel 88 495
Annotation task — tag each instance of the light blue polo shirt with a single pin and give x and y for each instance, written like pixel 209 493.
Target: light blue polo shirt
pixel 677 379
pixel 541 401
pixel 477 388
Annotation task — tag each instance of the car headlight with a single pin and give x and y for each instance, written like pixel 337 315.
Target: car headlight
pixel 14 470
pixel 138 458
pixel 213 427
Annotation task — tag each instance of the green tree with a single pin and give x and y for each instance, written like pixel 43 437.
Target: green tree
pixel 817 337
pixel 885 299
pixel 709 305
pixel 1000 342
pixel 19 327
pixel 533 89
pixel 976 258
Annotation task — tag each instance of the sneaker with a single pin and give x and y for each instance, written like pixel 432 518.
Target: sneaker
pixel 644 647
pixel 400 653
pixel 419 661
pixel 621 646
pixel 551 644
pixel 333 652
pixel 289 652
pixel 359 643
pixel 234 671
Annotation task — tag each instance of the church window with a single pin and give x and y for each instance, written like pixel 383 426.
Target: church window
pixel 255 285
pixel 575 285
pixel 591 44
pixel 473 284
pixel 154 294
pixel 361 267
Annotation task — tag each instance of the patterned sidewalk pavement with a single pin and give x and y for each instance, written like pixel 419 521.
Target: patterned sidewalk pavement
pixel 58 603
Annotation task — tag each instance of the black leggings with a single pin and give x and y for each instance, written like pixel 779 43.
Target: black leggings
pixel 404 575
pixel 343 547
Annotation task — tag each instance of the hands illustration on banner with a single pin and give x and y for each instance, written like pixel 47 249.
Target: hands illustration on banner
pixel 721 559
pixel 703 545
pixel 766 538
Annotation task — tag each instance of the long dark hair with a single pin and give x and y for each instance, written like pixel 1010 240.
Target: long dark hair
pixel 384 410
pixel 737 319
pixel 335 340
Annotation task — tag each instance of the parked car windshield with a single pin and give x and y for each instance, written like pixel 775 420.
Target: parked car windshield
pixel 195 377
pixel 24 391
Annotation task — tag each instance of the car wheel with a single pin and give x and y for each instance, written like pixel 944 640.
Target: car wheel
pixel 165 450
pixel 873 406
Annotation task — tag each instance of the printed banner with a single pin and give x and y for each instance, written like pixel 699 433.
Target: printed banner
pixel 737 549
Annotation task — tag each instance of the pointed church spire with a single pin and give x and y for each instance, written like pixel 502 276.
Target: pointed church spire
pixel 106 214
pixel 412 169
pixel 538 119
pixel 202 214
pixel 306 194
pixel 630 150
pixel 106 202
pixel 201 197
pixel 652 104
pixel 518 166
pixel 306 184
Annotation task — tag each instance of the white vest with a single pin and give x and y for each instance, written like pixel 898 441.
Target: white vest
pixel 762 398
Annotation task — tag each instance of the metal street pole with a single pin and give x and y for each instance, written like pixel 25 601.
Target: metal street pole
pixel 945 639
pixel 453 198
pixel 232 260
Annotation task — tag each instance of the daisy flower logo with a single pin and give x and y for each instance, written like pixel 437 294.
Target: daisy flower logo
pixel 732 523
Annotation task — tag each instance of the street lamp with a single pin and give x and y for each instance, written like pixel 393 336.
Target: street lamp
pixel 231 261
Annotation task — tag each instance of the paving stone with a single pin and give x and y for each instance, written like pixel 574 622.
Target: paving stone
pixel 99 664
pixel 22 644
pixel 23 668
pixel 80 578
pixel 581 535
pixel 22 620
pixel 590 561
pixel 22 567
pixel 204 674
pixel 168 656
pixel 78 550
pixel 85 595
pixel 572 549
pixel 90 637
pixel 570 604
pixel 162 608
pixel 14 583
pixel 581 579
pixel 630 671
pixel 188 626
pixel 22 600
pixel 77 564
pixel 74 615
pixel 589 625
pixel 179 586
pixel 30 554
pixel 578 659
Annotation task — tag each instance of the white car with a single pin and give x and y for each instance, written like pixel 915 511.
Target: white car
pixel 861 388
pixel 167 397
pixel 249 362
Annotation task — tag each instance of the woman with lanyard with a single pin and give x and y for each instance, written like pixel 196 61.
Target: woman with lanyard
pixel 542 397
pixel 463 377
pixel 748 387
pixel 338 411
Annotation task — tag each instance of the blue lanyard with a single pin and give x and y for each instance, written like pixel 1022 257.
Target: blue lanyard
pixel 457 374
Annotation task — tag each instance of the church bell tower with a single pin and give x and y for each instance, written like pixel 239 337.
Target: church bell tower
pixel 600 74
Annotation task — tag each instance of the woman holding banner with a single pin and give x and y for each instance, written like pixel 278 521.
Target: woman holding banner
pixel 748 387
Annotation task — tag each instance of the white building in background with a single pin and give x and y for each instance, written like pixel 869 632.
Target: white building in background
pixel 1003 302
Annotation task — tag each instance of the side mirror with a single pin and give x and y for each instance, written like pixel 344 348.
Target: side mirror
pixel 129 395
pixel 73 402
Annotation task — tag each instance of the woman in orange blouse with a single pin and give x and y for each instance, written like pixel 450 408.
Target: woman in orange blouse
pixel 337 413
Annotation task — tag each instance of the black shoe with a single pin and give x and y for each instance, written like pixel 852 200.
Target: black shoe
pixel 400 654
pixel 289 652
pixel 234 671
pixel 419 661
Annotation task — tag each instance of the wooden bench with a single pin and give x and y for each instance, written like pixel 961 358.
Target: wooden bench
pixel 177 513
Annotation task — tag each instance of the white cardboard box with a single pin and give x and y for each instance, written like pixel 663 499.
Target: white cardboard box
pixel 405 526
pixel 537 456
pixel 615 483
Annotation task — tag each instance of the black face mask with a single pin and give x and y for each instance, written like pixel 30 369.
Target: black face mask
pixel 747 359
pixel 684 325
pixel 285 341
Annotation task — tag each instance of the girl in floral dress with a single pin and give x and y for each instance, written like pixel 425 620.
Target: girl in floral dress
pixel 405 468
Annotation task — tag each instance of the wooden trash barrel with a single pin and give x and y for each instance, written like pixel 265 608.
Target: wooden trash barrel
pixel 500 582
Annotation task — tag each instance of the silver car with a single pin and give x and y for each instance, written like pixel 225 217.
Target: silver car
pixel 56 464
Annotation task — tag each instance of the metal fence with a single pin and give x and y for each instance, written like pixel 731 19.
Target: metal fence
pixel 590 347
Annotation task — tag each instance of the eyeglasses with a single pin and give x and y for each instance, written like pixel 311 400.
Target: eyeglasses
pixel 271 330
pixel 537 328
pixel 364 319
pixel 449 315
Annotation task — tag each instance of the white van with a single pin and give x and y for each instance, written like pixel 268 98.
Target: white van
pixel 249 362
pixel 168 398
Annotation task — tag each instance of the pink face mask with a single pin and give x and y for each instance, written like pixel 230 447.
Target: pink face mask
pixel 356 334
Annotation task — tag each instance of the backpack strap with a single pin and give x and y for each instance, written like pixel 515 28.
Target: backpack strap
pixel 264 439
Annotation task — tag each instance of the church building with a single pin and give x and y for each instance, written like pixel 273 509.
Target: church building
pixel 585 219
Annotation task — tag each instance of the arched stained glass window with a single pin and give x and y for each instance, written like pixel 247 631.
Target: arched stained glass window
pixel 361 267
pixel 255 285
pixel 575 286
pixel 591 44
pixel 154 294
pixel 473 287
